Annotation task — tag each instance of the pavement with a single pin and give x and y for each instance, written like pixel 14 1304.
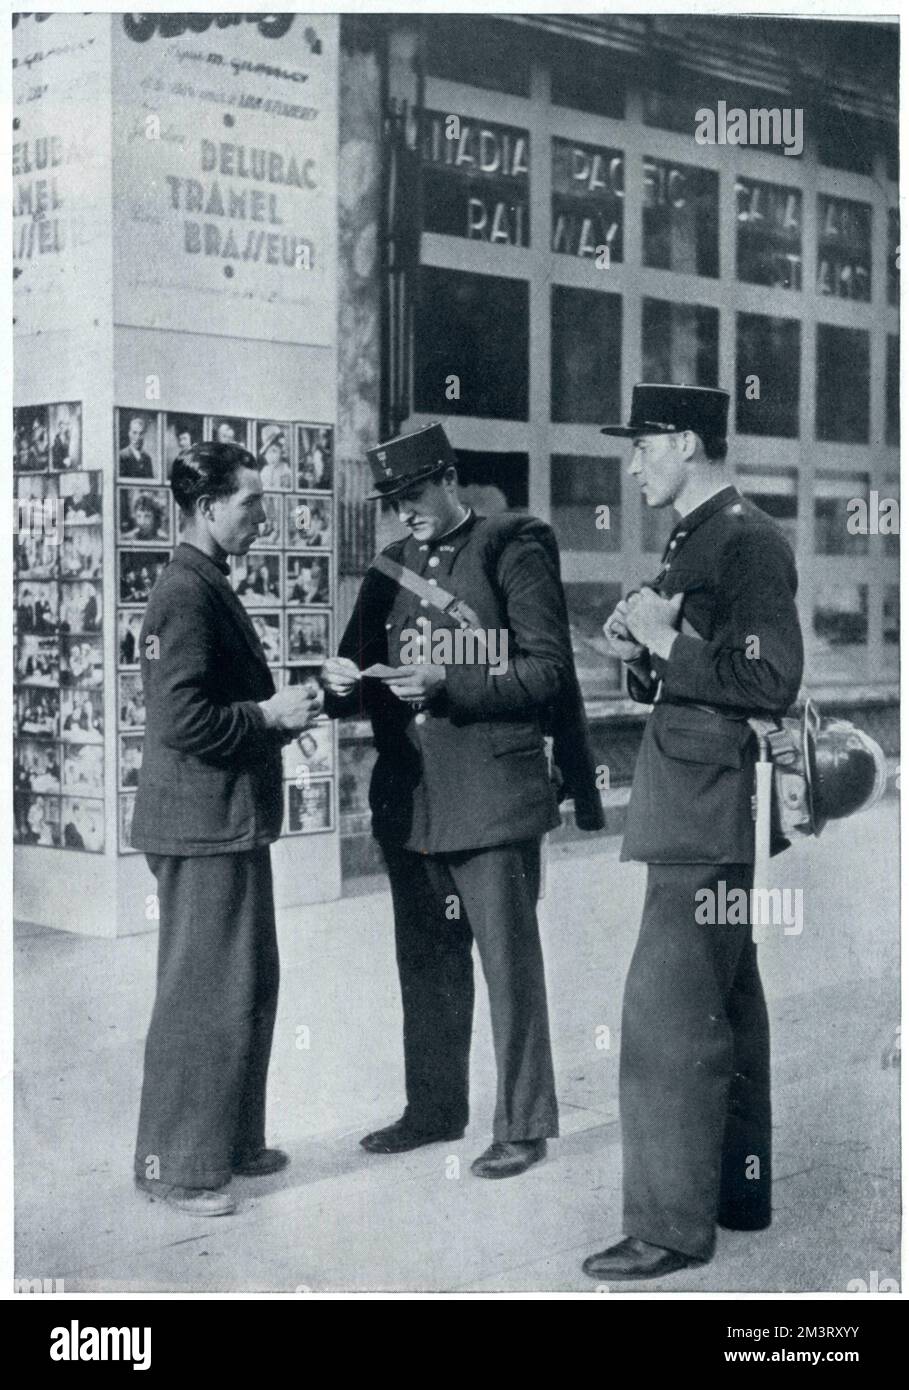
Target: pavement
pixel 341 1219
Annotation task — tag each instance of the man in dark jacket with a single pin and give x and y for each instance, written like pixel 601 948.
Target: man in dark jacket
pixel 461 793
pixel 208 805
pixel 713 641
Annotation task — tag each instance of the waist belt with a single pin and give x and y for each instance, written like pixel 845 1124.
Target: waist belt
pixel 432 594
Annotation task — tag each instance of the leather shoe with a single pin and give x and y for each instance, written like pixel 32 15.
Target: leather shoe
pixel 261 1164
pixel 401 1137
pixel 636 1259
pixel 195 1201
pixel 507 1159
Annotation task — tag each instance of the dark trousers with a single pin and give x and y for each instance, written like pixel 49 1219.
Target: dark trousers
pixel 207 1051
pixel 694 1077
pixel 442 903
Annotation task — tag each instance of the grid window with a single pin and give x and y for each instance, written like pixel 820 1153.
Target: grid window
pixel 775 491
pixel 891 615
pixel 843 384
pixel 768 243
pixel 891 529
pixel 586 356
pixel 893 248
pixel 841 615
pixel 767 375
pixel 471 345
pixel 483 55
pixel 588 199
pixel 892 434
pixel 681 218
pixel 845 141
pixel 680 342
pixel 837 516
pixel 843 248
pixel 591 85
pixel 586 501
pixel 476 179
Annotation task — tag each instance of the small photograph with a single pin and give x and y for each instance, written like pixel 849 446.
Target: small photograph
pixel 273 455
pixel 271 530
pixel 315 456
pixel 36 487
pixel 257 578
pixel 306 580
pixel 81 716
pixel 130 760
pixel 38 661
pixel 37 607
pixel 228 429
pixel 81 662
pixel 311 752
pixel 130 700
pixel 81 555
pixel 80 607
pixel 307 637
pixel 126 804
pixel 144 515
pixel 37 766
pixel 139 569
pixel 36 556
pixel 83 824
pixel 309 521
pixel 31 450
pixel 38 713
pixel 65 436
pixel 83 769
pixel 138 445
pixel 129 629
pixel 268 630
pixel 181 432
pixel 81 493
pixel 308 808
pixel 38 821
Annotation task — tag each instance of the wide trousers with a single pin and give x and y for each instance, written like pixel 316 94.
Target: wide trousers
pixel 442 903
pixel 208 1046
pixel 694 1081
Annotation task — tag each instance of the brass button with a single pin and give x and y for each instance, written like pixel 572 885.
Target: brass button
pixel 420 718
pixel 433 581
pixel 434 560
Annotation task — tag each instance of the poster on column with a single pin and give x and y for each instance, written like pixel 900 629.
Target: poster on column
pixel 225 156
pixel 61 168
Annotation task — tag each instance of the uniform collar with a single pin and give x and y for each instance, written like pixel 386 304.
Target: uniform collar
pixel 451 541
pixel 692 520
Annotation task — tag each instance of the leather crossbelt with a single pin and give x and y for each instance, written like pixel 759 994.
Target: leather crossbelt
pixel 432 594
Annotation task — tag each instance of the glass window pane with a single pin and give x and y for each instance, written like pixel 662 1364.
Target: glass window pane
pixel 893 247
pixel 476 179
pixel 681 218
pixel 892 532
pixel 767 375
pixel 588 193
pixel 768 246
pixel 680 342
pixel 893 390
pixel 586 356
pixel 833 515
pixel 775 491
pixel 842 384
pixel 470 345
pixel 891 619
pixel 586 80
pixel 845 141
pixel 480 53
pixel 843 248
pixel 589 605
pixel 679 102
pixel 491 482
pixel 586 501
pixel 840 617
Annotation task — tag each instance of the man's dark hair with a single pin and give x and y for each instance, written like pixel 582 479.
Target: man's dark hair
pixel 715 447
pixel 208 469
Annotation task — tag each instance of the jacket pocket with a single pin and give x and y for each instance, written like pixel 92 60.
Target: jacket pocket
pixel 700 736
pixel 514 738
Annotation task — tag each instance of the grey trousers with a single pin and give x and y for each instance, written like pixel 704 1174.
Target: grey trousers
pixel 495 891
pixel 694 1076
pixel 208 1046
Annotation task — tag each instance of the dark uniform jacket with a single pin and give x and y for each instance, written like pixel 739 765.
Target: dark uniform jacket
pixel 471 771
pixel 211 780
pixel 691 797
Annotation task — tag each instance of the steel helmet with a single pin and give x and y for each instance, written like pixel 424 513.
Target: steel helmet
pixel 844 768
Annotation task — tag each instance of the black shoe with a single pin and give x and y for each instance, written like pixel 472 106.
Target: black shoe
pixel 261 1164
pixel 403 1136
pixel 506 1160
pixel 636 1259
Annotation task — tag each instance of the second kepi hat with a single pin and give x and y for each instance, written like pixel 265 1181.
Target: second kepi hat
pixel 668 409
pixel 410 458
